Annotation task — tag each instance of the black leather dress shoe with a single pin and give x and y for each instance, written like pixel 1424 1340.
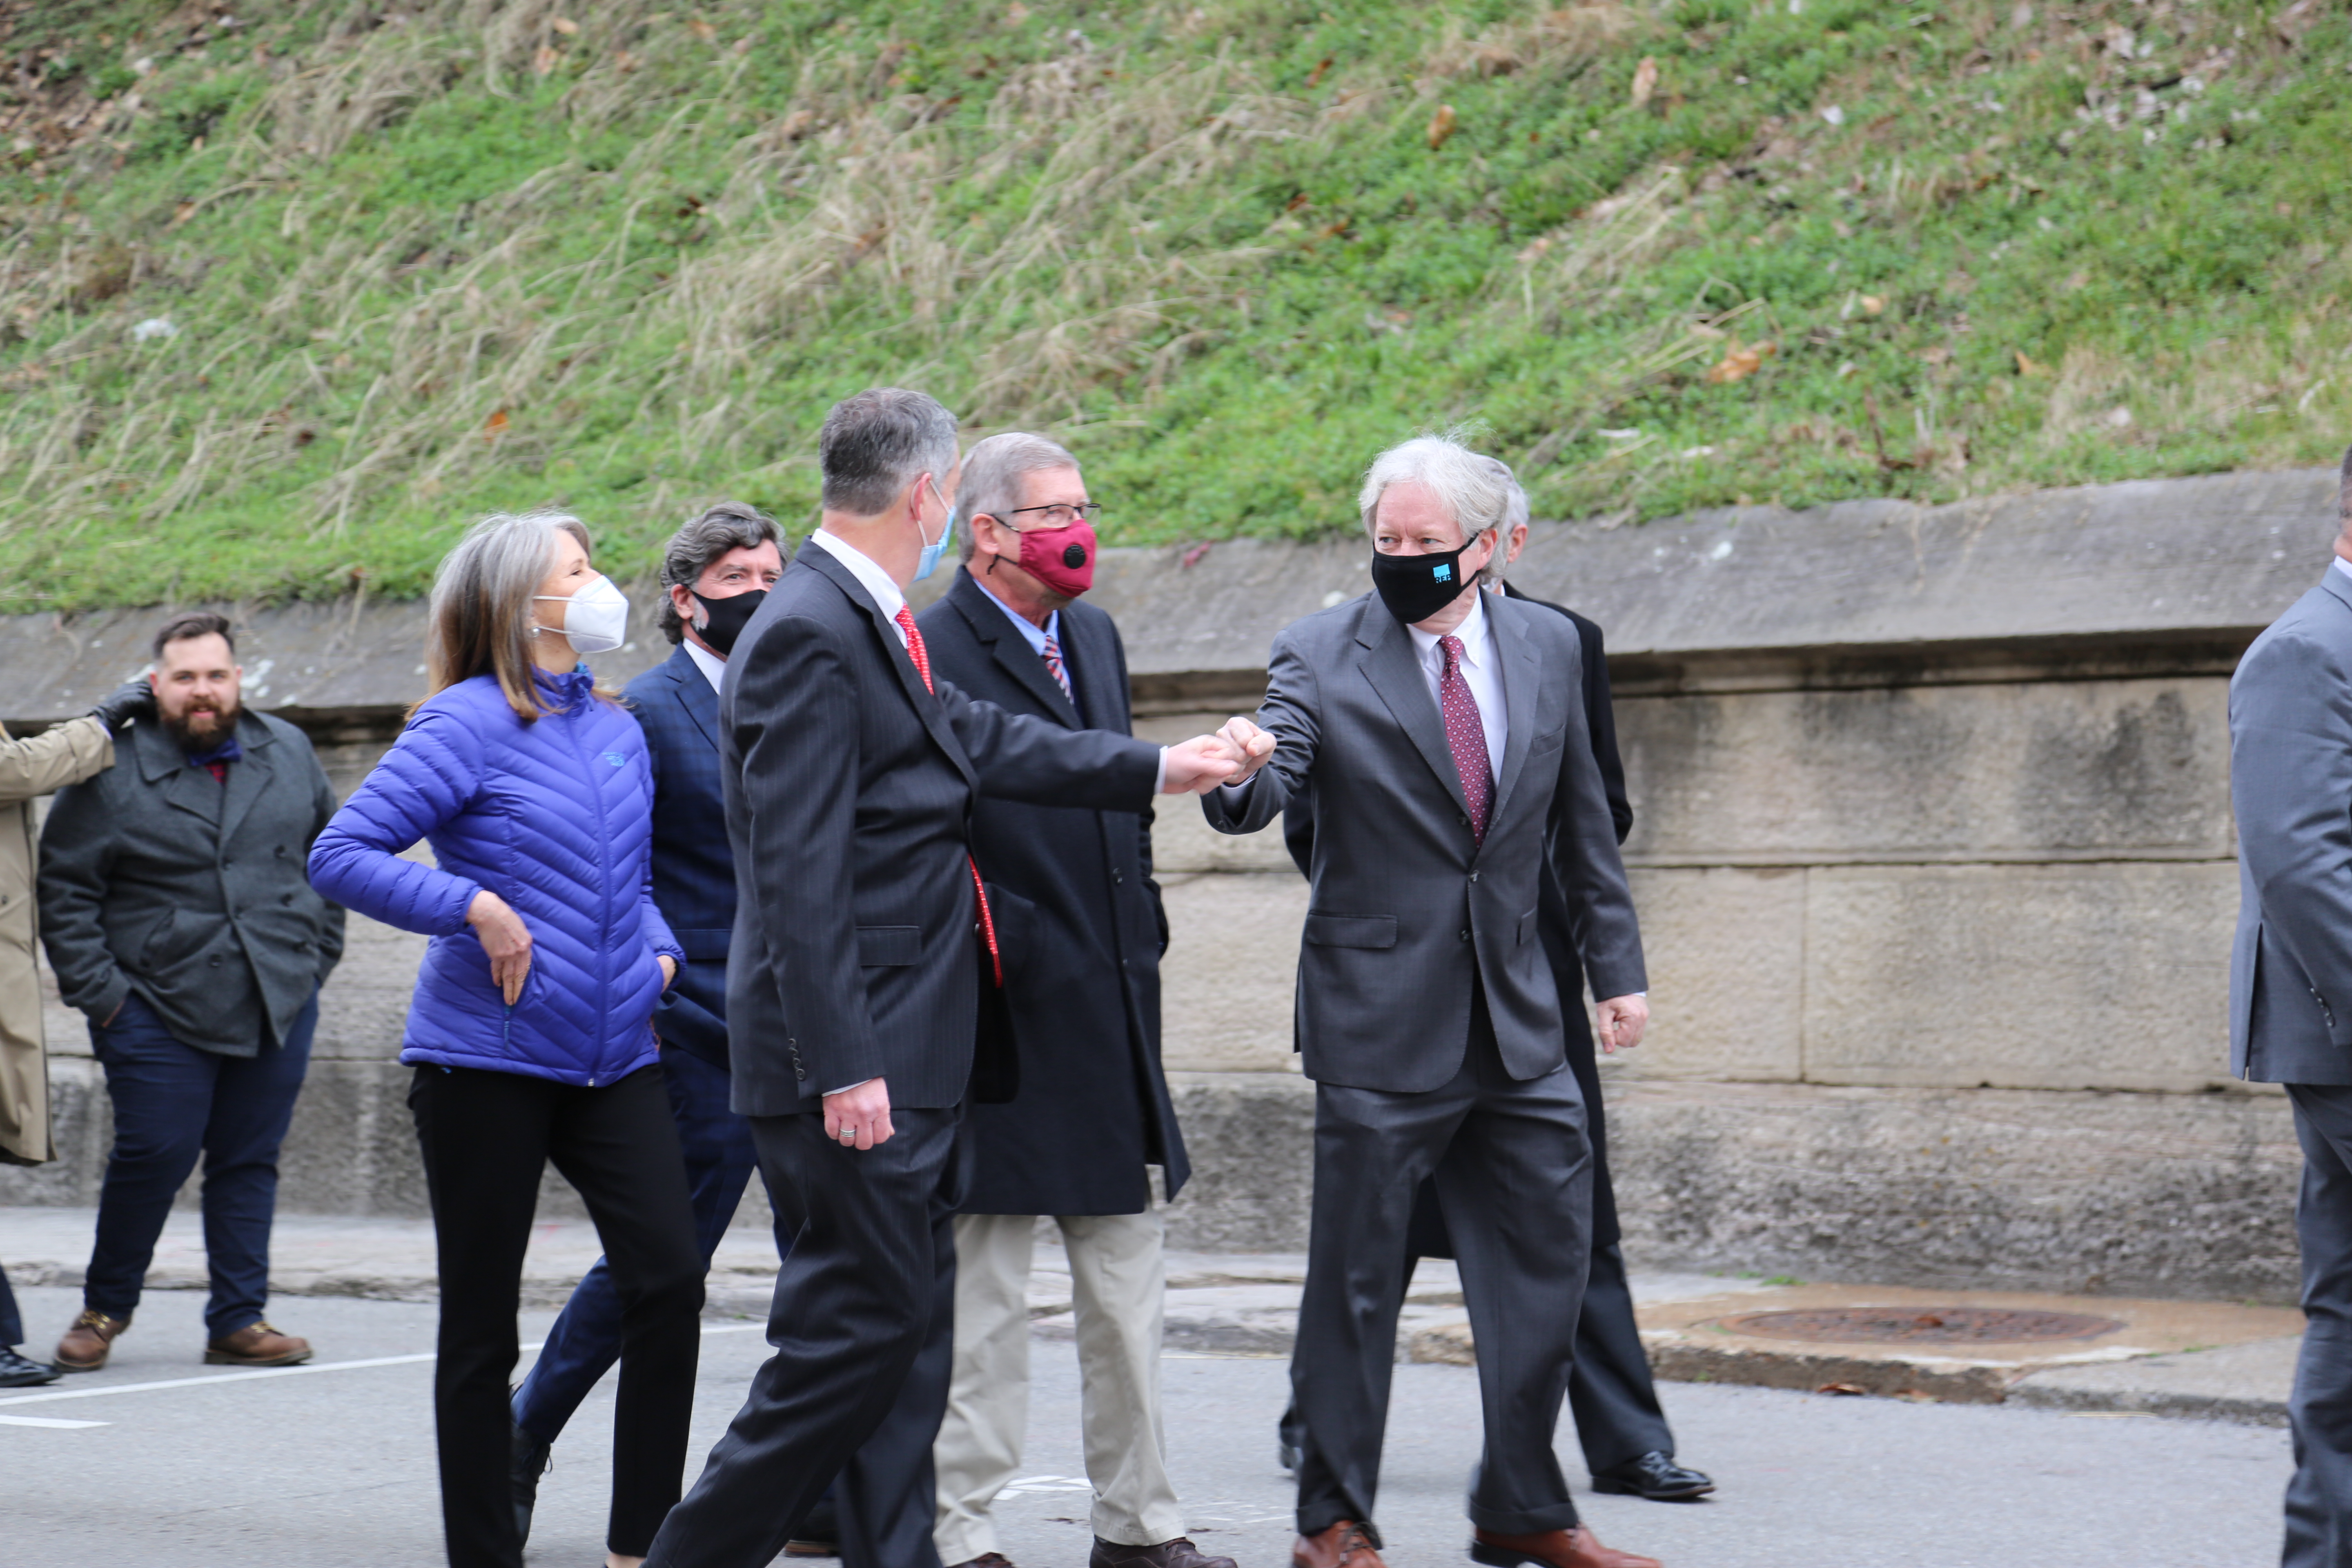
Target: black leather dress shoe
pixel 16 1372
pixel 530 1461
pixel 1653 1475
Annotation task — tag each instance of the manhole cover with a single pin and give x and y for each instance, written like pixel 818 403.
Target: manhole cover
pixel 1922 1325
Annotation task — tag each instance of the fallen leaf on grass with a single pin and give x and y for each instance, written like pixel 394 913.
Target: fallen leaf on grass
pixel 1871 304
pixel 701 29
pixel 495 426
pixel 1740 363
pixel 543 62
pixel 1646 80
pixel 2026 366
pixel 565 25
pixel 1849 1388
pixel 1441 126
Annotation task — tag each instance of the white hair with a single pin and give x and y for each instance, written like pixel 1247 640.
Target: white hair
pixel 1476 491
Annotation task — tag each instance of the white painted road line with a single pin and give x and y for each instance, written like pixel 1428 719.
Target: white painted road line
pixel 264 1372
pixel 42 1421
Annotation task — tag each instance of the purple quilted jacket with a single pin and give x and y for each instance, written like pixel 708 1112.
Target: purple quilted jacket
pixel 555 817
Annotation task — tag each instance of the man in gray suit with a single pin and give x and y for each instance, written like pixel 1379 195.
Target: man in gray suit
pixel 1442 732
pixel 2291 995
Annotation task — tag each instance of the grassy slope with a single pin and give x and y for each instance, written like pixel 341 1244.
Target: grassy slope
pixel 427 260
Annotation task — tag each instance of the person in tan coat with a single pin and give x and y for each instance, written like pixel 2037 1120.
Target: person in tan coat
pixel 63 755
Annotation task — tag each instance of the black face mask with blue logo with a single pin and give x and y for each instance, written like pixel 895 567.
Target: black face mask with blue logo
pixel 1415 588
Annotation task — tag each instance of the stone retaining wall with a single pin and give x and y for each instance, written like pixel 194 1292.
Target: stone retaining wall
pixel 1932 847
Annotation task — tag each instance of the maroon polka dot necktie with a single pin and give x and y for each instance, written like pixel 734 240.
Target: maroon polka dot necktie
pixel 1466 731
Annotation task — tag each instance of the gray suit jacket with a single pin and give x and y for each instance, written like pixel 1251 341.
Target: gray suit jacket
pixel 1406 911
pixel 2291 784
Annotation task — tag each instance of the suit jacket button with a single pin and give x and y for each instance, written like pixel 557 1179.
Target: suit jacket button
pixel 1474 876
pixel 1465 933
pixel 1462 819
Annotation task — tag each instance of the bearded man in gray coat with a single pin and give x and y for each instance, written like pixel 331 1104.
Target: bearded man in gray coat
pixel 2291 994
pixel 1444 735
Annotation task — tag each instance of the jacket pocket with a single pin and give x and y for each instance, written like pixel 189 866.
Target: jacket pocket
pixel 1529 926
pixel 1351 930
pixel 882 946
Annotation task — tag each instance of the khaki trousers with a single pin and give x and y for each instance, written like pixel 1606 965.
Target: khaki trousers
pixel 1119 1281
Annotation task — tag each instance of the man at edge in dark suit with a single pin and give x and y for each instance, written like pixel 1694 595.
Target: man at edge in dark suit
pixel 854 986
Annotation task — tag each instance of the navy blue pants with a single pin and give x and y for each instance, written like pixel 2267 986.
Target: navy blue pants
pixel 586 1339
pixel 172 1103
pixel 11 1327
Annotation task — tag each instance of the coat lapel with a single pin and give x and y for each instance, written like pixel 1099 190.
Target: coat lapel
pixel 1522 677
pixel 183 788
pixel 1012 650
pixel 1088 656
pixel 927 706
pixel 249 776
pixel 1389 663
pixel 694 693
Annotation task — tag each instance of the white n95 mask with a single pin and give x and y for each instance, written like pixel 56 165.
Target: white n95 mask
pixel 596 618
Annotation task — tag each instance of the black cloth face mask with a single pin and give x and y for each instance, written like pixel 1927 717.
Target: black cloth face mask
pixel 1415 588
pixel 724 619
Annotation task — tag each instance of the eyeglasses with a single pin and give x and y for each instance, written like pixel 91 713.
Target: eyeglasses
pixel 1062 515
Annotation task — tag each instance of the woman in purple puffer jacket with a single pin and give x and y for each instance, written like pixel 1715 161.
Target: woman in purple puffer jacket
pixel 531 1031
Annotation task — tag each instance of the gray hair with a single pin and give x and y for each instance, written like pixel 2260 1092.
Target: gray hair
pixel 1476 489
pixel 1516 512
pixel 478 620
pixel 877 443
pixel 993 471
pixel 730 525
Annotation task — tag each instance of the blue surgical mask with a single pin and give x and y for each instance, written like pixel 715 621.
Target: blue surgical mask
pixel 929 562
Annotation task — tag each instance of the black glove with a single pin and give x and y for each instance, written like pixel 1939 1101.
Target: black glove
pixel 132 699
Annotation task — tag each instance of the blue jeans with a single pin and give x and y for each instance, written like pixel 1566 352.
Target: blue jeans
pixel 171 1103
pixel 586 1339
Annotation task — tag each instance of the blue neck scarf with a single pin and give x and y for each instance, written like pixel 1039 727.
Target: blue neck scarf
pixel 229 750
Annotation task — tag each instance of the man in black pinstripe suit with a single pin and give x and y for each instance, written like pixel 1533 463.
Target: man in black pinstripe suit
pixel 861 956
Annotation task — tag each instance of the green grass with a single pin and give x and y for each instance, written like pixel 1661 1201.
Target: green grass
pixel 423 261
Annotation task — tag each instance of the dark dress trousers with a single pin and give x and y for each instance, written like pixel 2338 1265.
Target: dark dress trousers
pixel 1610 1393
pixel 2291 1004
pixel 1428 1012
pixel 694 886
pixel 1080 919
pixel 850 791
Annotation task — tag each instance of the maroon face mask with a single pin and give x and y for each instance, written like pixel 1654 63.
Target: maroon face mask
pixel 1061 558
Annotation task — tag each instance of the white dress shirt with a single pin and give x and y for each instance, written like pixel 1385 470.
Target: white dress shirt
pixel 713 667
pixel 1031 632
pixel 1481 672
pixel 2341 565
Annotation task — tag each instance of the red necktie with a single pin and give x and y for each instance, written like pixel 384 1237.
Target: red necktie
pixel 916 651
pixel 1466 731
pixel 1055 668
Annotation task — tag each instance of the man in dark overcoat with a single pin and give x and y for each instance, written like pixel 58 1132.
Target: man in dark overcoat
pixel 1080 923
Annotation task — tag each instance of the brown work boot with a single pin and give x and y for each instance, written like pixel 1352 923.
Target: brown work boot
pixel 89 1341
pixel 1575 1547
pixel 256 1344
pixel 1346 1544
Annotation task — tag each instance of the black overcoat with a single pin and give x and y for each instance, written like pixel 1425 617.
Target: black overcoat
pixel 1080 925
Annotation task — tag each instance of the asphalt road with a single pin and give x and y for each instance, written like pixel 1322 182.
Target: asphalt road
pixel 333 1467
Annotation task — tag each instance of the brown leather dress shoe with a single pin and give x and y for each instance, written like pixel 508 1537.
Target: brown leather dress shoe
pixel 1574 1548
pixel 1177 1554
pixel 89 1341
pixel 1346 1544
pixel 256 1344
